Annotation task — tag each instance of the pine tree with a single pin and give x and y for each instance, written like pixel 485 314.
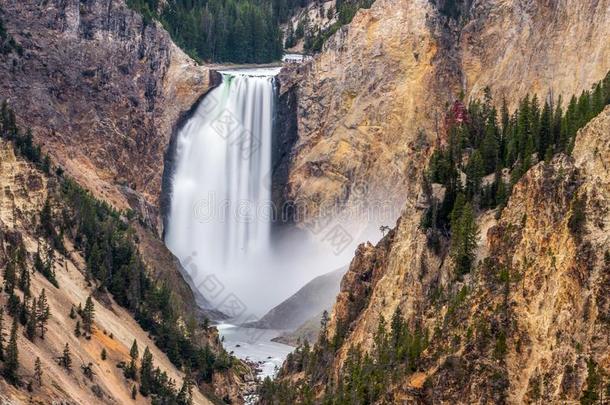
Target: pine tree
pixel 104 355
pixel 9 277
pixel 11 358
pixel 456 213
pixel 38 262
pixel 24 280
pixel 569 124
pixel 464 240
pixel 557 123
pixel 523 127
pixel 43 313
pixel 583 109
pixel 38 371
pixel 545 136
pixel 381 344
pixel 46 219
pixel 88 315
pixel 46 267
pixel 146 373
pixel 397 328
pixel 13 305
pixel 77 331
pixel 590 395
pixel 131 370
pixel 534 125
pixel 66 359
pixel 94 260
pixel 511 147
pixel 185 396
pixel 474 173
pixel 505 121
pixel 133 352
pixel 500 192
pixel 324 326
pixel 490 147
pixel 30 329
pixel 134 392
pixel 597 99
pixel 24 311
pixel 88 370
pixel 72 313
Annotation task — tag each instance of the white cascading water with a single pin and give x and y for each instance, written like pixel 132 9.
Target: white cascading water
pixel 221 185
pixel 220 218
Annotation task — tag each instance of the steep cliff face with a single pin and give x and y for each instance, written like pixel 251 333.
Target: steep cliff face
pixel 285 134
pixel 538 302
pixel 101 90
pixel 370 112
pixel 537 47
pixel 370 105
pixel 365 121
pixel 530 322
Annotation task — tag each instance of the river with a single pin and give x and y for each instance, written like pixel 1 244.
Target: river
pixel 255 345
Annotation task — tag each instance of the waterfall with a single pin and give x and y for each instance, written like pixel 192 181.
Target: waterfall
pixel 221 185
pixel 220 215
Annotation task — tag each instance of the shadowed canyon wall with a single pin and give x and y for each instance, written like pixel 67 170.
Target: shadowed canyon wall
pixel 102 90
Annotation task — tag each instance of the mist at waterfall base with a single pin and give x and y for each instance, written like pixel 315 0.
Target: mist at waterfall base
pixel 220 217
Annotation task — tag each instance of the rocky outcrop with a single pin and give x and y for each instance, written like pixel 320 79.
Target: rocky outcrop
pixel 402 269
pixel 102 90
pixel 370 105
pixel 366 109
pixel 370 112
pixel 285 135
pixel 541 288
pixel 530 322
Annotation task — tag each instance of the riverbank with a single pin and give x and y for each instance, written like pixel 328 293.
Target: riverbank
pixel 256 347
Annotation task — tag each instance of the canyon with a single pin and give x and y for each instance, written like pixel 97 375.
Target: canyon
pixel 105 92
pixel 523 334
